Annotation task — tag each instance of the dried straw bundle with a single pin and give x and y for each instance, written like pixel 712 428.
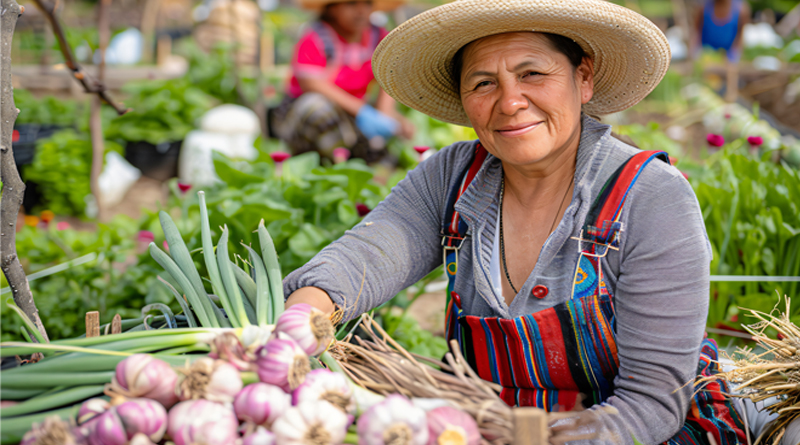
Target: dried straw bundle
pixel 380 364
pixel 772 373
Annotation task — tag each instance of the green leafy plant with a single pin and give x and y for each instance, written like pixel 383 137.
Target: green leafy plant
pixel 751 208
pixel 62 168
pixel 45 111
pixel 162 111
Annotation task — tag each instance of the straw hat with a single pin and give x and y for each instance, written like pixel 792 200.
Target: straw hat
pixel 377 5
pixel 413 63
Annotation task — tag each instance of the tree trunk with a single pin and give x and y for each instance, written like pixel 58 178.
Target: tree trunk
pixel 13 187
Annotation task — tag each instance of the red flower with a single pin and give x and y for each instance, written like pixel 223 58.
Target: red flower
pixel 362 209
pixel 184 187
pixel 715 140
pixel 755 141
pixel 62 225
pixel 727 115
pixel 421 149
pixel 47 216
pixel 341 154
pixel 145 236
pixel 166 246
pixel 15 136
pixel 279 156
pixel 685 175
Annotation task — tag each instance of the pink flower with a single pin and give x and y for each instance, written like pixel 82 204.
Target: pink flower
pixel 15 136
pixel 340 154
pixel 145 236
pixel 279 156
pixel 362 209
pixel 184 187
pixel 62 225
pixel 166 246
pixel 755 141
pixel 715 140
pixel 727 115
pixel 421 149
pixel 685 175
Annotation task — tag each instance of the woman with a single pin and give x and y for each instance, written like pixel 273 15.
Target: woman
pixel 325 104
pixel 578 265
pixel 719 24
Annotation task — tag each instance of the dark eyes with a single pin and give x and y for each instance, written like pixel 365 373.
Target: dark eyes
pixel 527 74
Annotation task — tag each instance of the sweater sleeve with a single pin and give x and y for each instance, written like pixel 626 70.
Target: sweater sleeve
pixel 661 304
pixel 394 246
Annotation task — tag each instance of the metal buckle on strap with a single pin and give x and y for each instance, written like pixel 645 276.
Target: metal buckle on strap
pixel 451 243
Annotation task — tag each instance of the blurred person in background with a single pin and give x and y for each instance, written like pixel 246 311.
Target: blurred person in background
pixel 719 24
pixel 326 105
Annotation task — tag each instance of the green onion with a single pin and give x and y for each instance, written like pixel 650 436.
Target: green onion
pixel 194 300
pixel 228 280
pixel 50 380
pixel 12 430
pixel 263 302
pixel 270 258
pixel 46 402
pixel 211 262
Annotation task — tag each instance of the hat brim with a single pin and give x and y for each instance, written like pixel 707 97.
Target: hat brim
pixel 413 63
pixel 377 5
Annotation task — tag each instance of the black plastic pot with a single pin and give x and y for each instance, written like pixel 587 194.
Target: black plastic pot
pixel 158 162
pixel 24 147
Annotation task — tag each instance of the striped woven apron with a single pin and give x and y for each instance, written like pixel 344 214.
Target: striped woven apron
pixel 566 354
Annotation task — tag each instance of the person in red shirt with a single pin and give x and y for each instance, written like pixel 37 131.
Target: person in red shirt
pixel 325 105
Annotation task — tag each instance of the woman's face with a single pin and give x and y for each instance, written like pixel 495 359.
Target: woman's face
pixel 351 17
pixel 523 97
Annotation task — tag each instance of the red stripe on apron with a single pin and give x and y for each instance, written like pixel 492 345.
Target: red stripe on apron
pixel 517 352
pixel 479 344
pixel 500 356
pixel 555 352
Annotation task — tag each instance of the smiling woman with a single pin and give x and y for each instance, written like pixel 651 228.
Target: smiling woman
pixel 578 265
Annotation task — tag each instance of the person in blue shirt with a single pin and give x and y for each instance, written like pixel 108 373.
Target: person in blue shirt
pixel 719 25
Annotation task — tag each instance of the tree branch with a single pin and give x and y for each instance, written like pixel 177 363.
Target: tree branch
pixel 90 85
pixel 13 187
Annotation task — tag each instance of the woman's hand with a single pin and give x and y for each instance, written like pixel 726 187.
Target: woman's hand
pixel 314 297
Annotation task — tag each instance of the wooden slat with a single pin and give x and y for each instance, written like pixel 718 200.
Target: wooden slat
pixel 93 324
pixel 530 426
pixel 116 324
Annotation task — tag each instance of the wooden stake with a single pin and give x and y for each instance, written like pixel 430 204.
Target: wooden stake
pixel 93 324
pixel 530 426
pixel 116 324
pixel 732 78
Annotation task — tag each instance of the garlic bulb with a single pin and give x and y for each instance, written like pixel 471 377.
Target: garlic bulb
pixel 227 347
pixel 259 437
pixel 202 421
pixel 121 423
pixel 311 423
pixel 308 326
pixel 92 408
pixel 261 403
pixel 321 384
pixel 451 426
pixel 53 431
pixel 142 375
pixel 281 362
pixel 210 379
pixel 395 421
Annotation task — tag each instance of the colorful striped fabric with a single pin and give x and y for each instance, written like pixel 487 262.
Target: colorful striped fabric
pixel 557 357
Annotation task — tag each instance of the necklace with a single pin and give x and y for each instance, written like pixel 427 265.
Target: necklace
pixel 502 241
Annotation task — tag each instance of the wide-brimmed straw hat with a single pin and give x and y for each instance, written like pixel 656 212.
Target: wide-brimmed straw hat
pixel 377 5
pixel 414 62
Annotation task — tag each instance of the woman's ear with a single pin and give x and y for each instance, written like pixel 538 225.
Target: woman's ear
pixel 584 75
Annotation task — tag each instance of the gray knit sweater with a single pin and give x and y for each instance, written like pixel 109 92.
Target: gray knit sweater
pixel 659 277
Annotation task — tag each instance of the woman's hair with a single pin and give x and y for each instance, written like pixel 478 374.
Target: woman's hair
pixel 564 45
